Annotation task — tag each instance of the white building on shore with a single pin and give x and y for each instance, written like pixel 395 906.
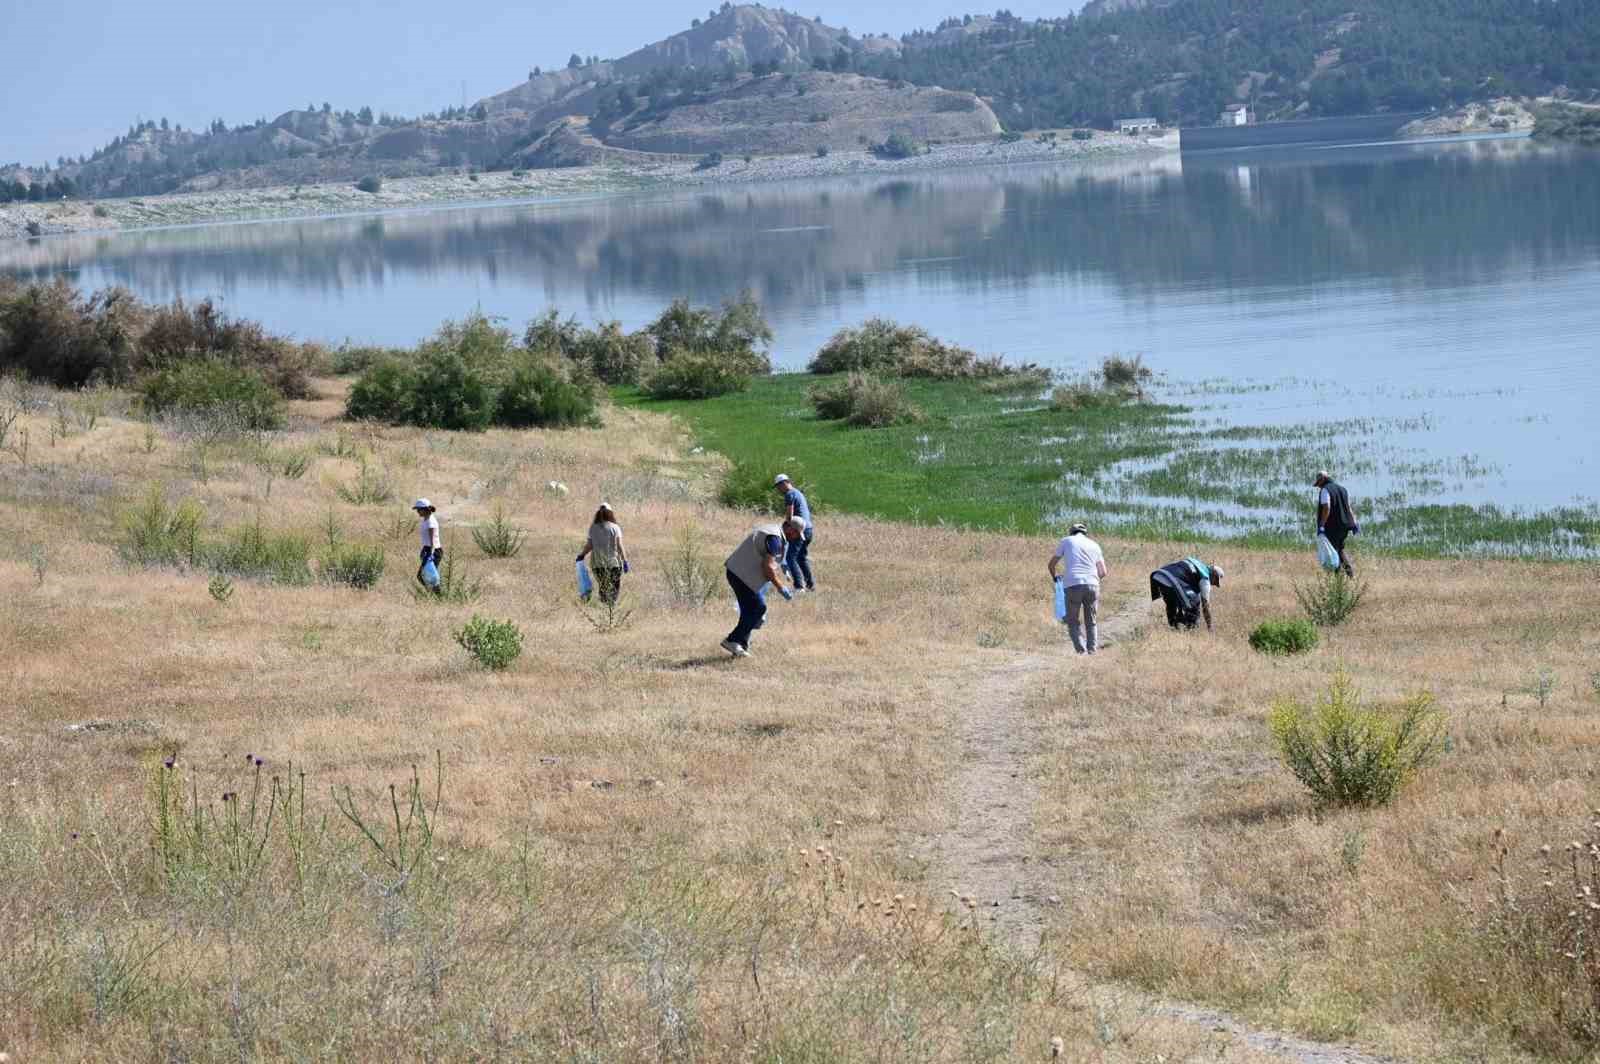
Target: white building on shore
pixel 1137 125
pixel 1235 114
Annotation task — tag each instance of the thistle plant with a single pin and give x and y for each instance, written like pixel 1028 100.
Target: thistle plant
pixel 499 538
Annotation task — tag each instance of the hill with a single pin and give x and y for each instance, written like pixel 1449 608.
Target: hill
pixel 1183 61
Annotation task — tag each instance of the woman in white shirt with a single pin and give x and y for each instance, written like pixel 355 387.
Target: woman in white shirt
pixel 610 557
pixel 428 532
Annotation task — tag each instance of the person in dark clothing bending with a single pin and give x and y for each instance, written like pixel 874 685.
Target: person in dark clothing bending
pixel 1185 587
pixel 1336 519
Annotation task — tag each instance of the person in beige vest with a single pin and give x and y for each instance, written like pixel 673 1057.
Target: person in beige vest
pixel 610 556
pixel 751 567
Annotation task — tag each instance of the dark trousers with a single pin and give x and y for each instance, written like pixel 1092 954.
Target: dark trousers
pixel 608 581
pixel 796 560
pixel 752 611
pixel 1337 536
pixel 1179 611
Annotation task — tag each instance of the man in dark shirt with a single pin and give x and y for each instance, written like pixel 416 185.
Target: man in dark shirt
pixel 1335 517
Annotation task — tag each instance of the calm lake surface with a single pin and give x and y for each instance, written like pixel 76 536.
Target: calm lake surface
pixel 1428 313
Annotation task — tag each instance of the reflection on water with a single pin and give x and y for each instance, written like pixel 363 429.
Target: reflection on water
pixel 1395 279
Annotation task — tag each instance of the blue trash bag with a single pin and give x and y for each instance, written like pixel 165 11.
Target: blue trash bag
pixel 1061 600
pixel 585 582
pixel 430 573
pixel 1327 557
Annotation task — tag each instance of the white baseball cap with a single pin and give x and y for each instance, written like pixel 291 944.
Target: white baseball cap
pixel 422 504
pixel 781 478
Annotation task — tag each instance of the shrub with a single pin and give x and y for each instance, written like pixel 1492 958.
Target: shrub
pixel 471 375
pixel 1347 754
pixel 541 394
pixel 382 393
pixel 371 183
pixel 747 484
pixel 1082 134
pixel 252 551
pixel 865 401
pixel 216 388
pixel 739 329
pixel 156 533
pixel 355 565
pixel 1083 395
pixel 612 355
pixel 494 644
pixel 709 161
pixel 880 345
pixel 897 146
pixel 371 487
pixel 1331 599
pixel 51 332
pixel 1010 136
pixel 181 332
pixel 699 375
pixel 691 576
pixel 1284 636
pixel 822 151
pixel 499 538
pixel 220 588
pixel 1125 374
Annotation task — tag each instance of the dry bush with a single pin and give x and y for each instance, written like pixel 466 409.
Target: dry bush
pixel 881 346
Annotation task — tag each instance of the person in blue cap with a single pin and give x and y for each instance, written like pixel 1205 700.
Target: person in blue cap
pixel 797 559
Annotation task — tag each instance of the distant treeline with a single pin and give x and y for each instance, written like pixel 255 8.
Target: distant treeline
pixel 1182 62
pixel 56 188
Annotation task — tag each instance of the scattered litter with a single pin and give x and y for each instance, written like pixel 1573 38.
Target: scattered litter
pixel 130 725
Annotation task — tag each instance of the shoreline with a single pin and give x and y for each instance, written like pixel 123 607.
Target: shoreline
pixel 286 202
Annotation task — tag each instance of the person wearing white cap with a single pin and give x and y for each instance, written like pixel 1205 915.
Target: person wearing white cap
pixel 428 532
pixel 1086 567
pixel 797 558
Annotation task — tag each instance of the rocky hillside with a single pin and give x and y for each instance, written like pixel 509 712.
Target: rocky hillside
pixel 748 79
pixel 806 111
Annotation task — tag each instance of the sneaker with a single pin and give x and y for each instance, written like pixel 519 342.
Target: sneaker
pixel 735 649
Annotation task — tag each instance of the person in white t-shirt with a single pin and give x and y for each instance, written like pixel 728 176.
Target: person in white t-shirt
pixel 428 532
pixel 1085 568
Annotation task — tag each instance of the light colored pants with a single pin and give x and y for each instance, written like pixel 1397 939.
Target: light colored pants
pixel 1084 597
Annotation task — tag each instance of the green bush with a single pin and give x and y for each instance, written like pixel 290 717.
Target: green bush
pixel 1284 636
pixel 471 375
pixel 709 161
pixel 154 532
pixel 897 146
pixel 215 388
pixel 182 332
pixel 1083 134
pixel 495 644
pixel 865 401
pixel 747 484
pixel 252 551
pixel 1331 599
pixel 1125 374
pixel 739 329
pixel 881 346
pixel 358 566
pixel 540 394
pixel 382 392
pixel 699 375
pixel 1347 754
pixel 371 183
pixel 499 538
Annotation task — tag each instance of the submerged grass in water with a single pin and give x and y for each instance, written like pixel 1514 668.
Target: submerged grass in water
pixel 1151 470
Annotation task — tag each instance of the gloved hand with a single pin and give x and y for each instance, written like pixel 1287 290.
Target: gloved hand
pixel 438 555
pixel 1355 529
pixel 788 596
pixel 579 558
pixel 625 566
pixel 1321 531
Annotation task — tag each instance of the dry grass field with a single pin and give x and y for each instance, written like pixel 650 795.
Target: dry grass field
pixel 644 850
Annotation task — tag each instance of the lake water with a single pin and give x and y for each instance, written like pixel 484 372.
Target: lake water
pixel 1429 312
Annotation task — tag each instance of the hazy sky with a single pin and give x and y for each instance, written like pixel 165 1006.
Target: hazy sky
pixel 74 75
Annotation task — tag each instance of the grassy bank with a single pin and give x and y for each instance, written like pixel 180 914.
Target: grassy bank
pixel 642 850
pixel 988 455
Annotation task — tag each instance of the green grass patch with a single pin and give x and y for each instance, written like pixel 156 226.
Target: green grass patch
pixel 1008 454
pixel 980 457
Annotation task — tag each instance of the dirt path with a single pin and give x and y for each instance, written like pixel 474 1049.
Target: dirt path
pixel 986 855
